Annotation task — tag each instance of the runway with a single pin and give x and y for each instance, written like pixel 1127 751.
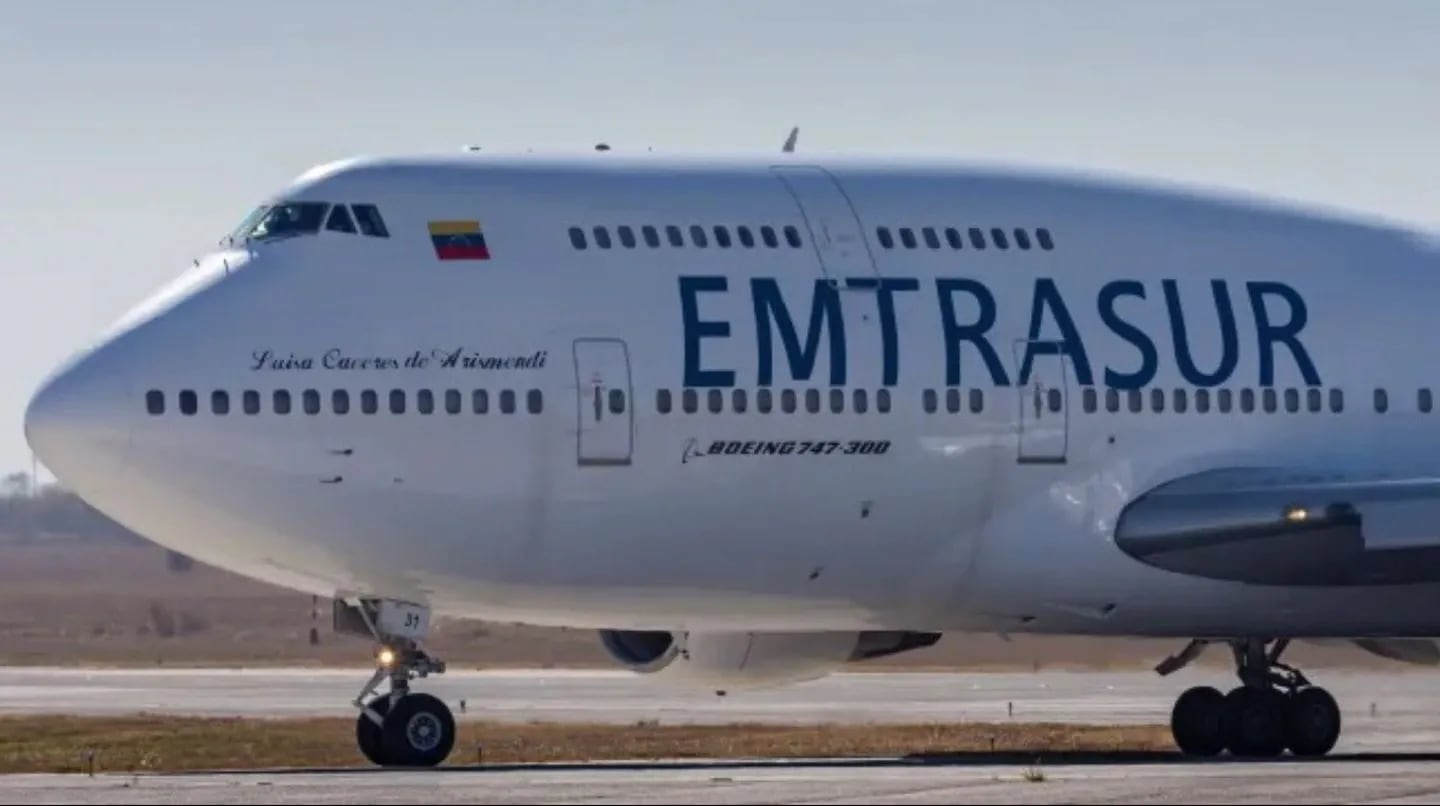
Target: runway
pixel 1392 725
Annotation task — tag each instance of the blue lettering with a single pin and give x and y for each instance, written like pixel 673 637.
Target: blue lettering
pixel 1268 334
pixel 1047 296
pixel 695 330
pixel 1229 340
pixel 890 340
pixel 824 313
pixel 974 332
pixel 1149 359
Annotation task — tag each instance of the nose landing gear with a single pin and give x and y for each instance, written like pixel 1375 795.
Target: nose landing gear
pixel 401 728
pixel 1275 708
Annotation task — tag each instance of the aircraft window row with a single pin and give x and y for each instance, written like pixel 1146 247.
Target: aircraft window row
pixel 307 218
pixel 956 238
pixel 694 235
pixel 341 401
pixel 767 401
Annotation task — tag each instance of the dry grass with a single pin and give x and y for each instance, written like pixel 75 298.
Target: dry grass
pixel 156 744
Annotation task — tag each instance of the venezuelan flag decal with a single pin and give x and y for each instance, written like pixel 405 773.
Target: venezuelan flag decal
pixel 458 240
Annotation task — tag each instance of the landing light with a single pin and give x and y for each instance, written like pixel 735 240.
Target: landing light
pixel 387 657
pixel 1296 514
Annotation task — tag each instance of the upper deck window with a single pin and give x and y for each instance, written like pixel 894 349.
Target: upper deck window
pixel 290 218
pixel 368 216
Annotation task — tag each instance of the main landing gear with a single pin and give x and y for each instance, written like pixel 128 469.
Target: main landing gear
pixel 401 728
pixel 1274 709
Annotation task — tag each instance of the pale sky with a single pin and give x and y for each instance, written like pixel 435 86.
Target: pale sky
pixel 134 134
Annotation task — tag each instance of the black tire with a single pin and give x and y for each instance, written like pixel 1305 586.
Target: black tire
pixel 1198 722
pixel 419 731
pixel 369 735
pixel 1255 722
pixel 1312 722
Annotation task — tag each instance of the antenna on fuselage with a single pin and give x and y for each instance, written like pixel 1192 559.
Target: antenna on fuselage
pixel 789 147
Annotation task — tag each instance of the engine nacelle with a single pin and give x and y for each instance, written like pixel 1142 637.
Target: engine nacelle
pixel 730 661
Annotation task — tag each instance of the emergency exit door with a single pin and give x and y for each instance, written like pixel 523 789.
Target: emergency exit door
pixel 606 402
pixel 833 226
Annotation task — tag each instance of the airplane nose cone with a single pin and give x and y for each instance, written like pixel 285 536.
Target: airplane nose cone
pixel 78 422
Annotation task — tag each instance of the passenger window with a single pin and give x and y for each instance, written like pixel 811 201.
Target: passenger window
pixel 251 401
pixel 627 237
pixel 311 401
pixel 977 401
pixel 454 401
pixel 715 401
pixel 369 402
pixel 691 401
pixel 340 220
pixel 577 238
pixel 812 401
pixel 747 238
pixel 977 238
pixel 882 401
pixel 1112 400
pixel 722 236
pixel 1181 402
pixel 281 401
pixel 651 235
pixel 787 401
pixel 1090 399
pixel 952 237
pixel 602 237
pixel 882 234
pixel 861 404
pixel 792 236
pixel 1382 401
pixel 1425 401
pixel 1042 235
pixel 155 402
pixel 952 401
pixel 1057 400
pixel 1202 401
pixel 930 401
pixel 662 401
pixel 480 401
pixel 340 401
pixel 1270 398
pixel 189 403
pixel 1312 396
pixel 425 401
pixel 674 236
pixel 1337 401
pixel 767 234
pixel 371 224
pixel 1247 400
pixel 507 401
pixel 397 401
pixel 737 401
pixel 907 237
pixel 1157 400
pixel 1292 400
pixel 763 401
pixel 617 401
pixel 837 401
pixel 220 402
pixel 697 236
pixel 1225 399
pixel 1137 401
pixel 932 239
pixel 997 236
pixel 1022 238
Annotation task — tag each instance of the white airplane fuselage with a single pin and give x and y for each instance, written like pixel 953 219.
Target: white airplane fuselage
pixel 930 460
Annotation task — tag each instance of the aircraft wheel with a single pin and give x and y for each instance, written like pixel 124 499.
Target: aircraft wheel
pixel 1198 722
pixel 1255 722
pixel 369 735
pixel 1313 723
pixel 419 731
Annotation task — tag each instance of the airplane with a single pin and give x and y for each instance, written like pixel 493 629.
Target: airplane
pixel 755 418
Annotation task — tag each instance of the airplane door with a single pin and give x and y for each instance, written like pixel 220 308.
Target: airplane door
pixel 833 225
pixel 606 402
pixel 1044 403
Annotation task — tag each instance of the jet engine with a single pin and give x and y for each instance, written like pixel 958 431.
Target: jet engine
pixel 731 661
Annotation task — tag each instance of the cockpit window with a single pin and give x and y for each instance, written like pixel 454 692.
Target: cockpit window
pixel 340 220
pixel 290 218
pixel 368 215
pixel 249 223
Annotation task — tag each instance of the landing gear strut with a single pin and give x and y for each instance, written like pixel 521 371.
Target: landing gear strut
pixel 1275 707
pixel 401 728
